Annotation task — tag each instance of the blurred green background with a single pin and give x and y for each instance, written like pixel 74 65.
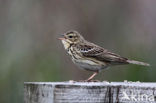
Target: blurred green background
pixel 30 51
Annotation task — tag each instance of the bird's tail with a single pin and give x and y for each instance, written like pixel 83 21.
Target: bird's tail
pixel 138 63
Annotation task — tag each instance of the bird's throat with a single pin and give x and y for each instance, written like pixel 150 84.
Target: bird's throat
pixel 66 44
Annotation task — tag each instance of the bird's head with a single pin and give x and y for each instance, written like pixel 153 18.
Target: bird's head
pixel 71 37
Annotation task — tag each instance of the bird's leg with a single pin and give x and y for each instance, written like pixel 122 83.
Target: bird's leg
pixel 92 76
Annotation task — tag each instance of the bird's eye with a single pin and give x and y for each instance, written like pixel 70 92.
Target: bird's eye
pixel 70 36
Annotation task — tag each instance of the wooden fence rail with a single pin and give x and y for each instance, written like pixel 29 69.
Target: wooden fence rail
pixel 92 92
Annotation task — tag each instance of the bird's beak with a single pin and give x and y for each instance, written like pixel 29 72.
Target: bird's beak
pixel 62 38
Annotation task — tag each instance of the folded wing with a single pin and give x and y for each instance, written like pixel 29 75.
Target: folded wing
pixel 101 54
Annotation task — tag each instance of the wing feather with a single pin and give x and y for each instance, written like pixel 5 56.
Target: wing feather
pixel 101 54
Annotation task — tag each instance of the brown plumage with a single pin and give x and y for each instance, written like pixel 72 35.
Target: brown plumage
pixel 90 56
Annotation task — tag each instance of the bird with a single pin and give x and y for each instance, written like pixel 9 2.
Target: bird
pixel 91 57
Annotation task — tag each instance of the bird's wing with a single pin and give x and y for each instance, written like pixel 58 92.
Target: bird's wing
pixel 101 54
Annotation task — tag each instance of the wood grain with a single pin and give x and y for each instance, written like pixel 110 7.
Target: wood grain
pixel 92 92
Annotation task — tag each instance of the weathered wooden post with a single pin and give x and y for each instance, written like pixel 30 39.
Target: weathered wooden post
pixel 92 92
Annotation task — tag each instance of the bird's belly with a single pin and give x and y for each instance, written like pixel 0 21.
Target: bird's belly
pixel 89 65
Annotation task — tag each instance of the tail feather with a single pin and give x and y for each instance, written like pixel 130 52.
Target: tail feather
pixel 137 62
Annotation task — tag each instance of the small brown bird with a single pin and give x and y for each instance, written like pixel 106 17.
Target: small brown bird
pixel 90 56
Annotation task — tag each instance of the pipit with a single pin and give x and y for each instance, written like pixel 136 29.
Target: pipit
pixel 90 56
